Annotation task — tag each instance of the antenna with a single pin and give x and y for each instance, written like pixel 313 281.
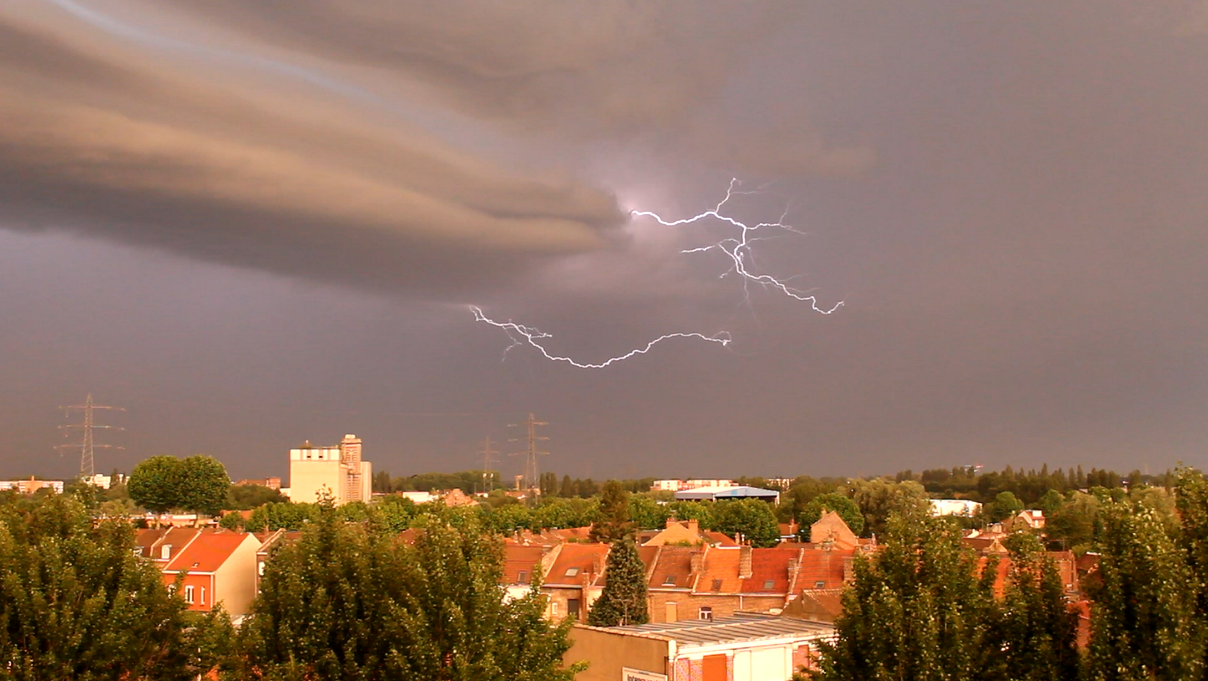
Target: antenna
pixel 531 478
pixel 487 457
pixel 87 445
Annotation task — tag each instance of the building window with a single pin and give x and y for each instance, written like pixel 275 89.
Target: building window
pixel 820 584
pixel 572 608
pixel 553 608
pixel 203 595
pixel 571 572
pixel 706 614
pixel 767 585
pixel 717 585
pixel 522 578
pixel 189 595
pixel 670 581
pixel 165 552
pixel 260 567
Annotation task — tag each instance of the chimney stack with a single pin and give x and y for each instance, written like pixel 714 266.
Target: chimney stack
pixel 696 560
pixel 744 562
pixel 694 526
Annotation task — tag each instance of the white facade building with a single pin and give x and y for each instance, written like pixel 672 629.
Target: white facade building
pixel 962 507
pixel 336 472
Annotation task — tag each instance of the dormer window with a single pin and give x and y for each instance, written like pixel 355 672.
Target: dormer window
pixel 820 584
pixel 165 552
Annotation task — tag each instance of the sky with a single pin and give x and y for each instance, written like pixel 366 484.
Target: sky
pixel 254 224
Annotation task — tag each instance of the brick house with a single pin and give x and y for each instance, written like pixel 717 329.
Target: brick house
pixel 574 580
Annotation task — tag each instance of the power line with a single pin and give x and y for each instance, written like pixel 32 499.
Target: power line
pixel 87 445
pixel 531 477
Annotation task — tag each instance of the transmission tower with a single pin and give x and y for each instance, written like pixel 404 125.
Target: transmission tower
pixel 488 456
pixel 531 477
pixel 87 445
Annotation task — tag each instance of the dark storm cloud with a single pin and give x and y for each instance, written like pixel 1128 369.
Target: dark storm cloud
pixel 107 136
pixel 280 147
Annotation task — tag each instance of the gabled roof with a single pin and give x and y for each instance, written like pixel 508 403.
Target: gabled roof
pixel 208 551
pixel 578 565
pixel 176 538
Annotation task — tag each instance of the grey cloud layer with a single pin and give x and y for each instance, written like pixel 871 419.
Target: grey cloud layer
pixel 110 136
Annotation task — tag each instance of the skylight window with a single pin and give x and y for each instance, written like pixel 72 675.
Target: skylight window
pixel 717 585
pixel 767 584
pixel 572 572
pixel 669 581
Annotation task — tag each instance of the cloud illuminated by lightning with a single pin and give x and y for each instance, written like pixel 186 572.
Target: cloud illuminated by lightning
pixel 737 249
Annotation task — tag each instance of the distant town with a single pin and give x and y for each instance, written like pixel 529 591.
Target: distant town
pixel 648 579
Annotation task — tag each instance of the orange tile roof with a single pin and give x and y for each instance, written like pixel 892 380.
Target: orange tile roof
pixel 720 570
pixel 517 559
pixel 719 538
pixel 208 551
pixel 822 569
pixel 583 559
pixel 675 565
pixel 770 570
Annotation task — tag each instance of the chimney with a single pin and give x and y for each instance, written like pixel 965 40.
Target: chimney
pixel 696 560
pixel 671 522
pixel 744 562
pixel 694 526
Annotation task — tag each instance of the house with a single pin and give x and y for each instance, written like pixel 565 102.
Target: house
pixel 219 567
pixel 1030 519
pixel 575 580
pixel 521 562
pixel 270 542
pixel 703 583
pixel 746 647
pixel 685 532
pixel 830 530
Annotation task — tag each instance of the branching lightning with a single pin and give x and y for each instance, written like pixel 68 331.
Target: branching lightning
pixel 530 335
pixel 737 249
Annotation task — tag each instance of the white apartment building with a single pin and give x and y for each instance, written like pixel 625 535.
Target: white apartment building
pixel 336 472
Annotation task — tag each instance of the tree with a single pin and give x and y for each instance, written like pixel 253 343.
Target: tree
pixel 203 484
pixel 917 611
pixel 76 603
pixel 879 499
pixel 623 600
pixel 1073 523
pixel 752 520
pixel 1145 624
pixel 154 484
pixel 348 602
pixel 613 522
pixel 831 501
pixel 1192 502
pixel 247 497
pixel 1004 506
pixel 647 514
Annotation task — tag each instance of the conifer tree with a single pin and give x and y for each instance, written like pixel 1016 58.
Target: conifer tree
pixel 613 522
pixel 1144 623
pixel 918 611
pixel 623 600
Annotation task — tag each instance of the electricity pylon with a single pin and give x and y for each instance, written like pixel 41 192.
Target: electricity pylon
pixel 87 444
pixel 531 477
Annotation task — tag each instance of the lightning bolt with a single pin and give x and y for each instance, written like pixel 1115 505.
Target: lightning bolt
pixel 737 249
pixel 530 335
